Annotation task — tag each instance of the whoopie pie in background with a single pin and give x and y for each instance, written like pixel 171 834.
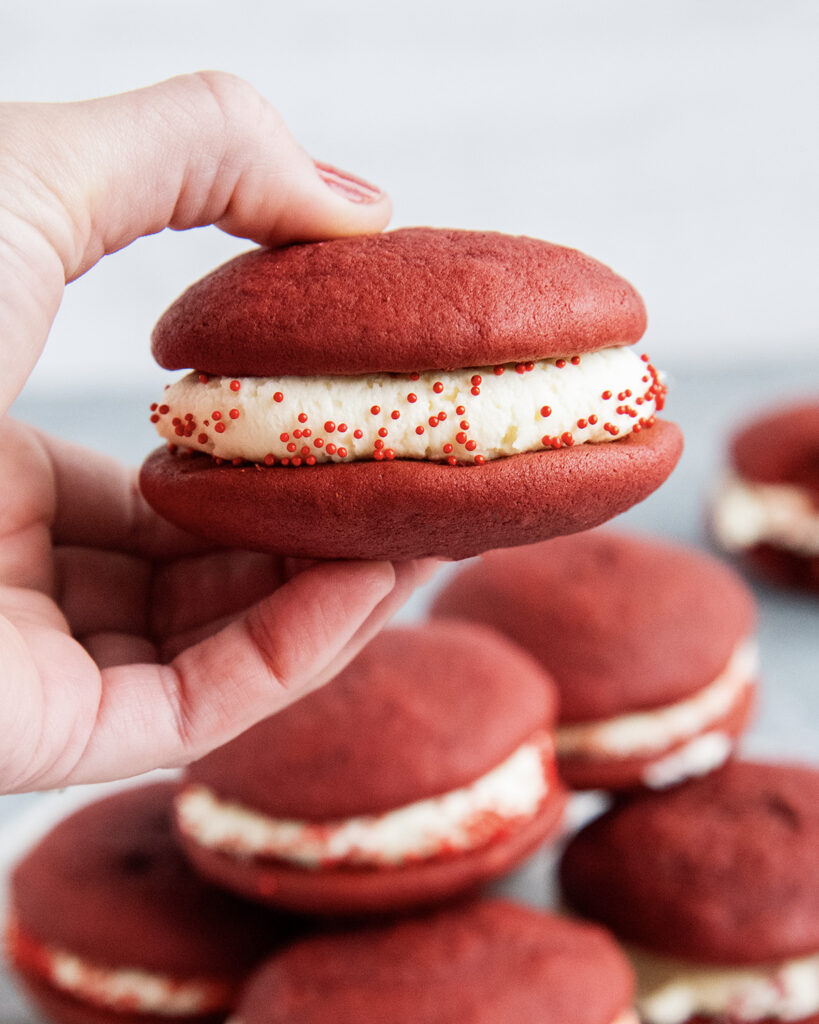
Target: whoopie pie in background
pixel 767 508
pixel 651 647
pixel 484 963
pixel 419 392
pixel 423 770
pixel 108 923
pixel 715 886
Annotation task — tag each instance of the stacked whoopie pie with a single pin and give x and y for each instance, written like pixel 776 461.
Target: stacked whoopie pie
pixel 651 646
pixel 107 922
pixel 767 509
pixel 419 392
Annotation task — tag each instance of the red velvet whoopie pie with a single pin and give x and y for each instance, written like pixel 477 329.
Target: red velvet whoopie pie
pixel 108 922
pixel 425 769
pixel 715 887
pixel 767 509
pixel 650 644
pixel 419 392
pixel 483 963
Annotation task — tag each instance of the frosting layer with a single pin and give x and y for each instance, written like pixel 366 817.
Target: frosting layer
pixel 460 820
pixel 673 991
pixel 747 513
pixel 468 415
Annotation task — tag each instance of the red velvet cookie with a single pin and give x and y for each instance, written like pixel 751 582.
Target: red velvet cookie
pixel 767 509
pixel 420 392
pixel 483 963
pixel 717 886
pixel 650 645
pixel 108 921
pixel 423 770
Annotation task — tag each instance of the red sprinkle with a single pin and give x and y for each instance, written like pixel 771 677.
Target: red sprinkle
pixel 390 454
pixel 567 438
pixel 284 437
pixel 479 460
pixel 546 410
pixel 593 419
pixel 318 443
pixel 471 446
pixel 464 425
pixel 296 461
pixel 219 428
pixel 378 455
pixel 330 448
pixel 237 461
pixel 582 424
pixel 203 378
pixel 477 380
pixel 305 449
pixel 292 446
pixel 560 363
pixel 606 395
pixel 378 444
pixel 234 414
pixel 342 453
pixel 296 433
pixel 575 360
pixel 307 432
pixel 215 415
pixel 498 371
pixel 163 409
pixel 441 416
pixel 153 406
pixel 342 428
pixel 269 459
pixel 437 387
pixel 414 376
pixel 285 461
pixel 278 397
pixel 460 409
pixel 202 438
pixel 447 449
pixel 395 414
pixel 419 430
pixel 460 438
pixel 310 460
pixel 155 418
pixel 302 417
pixel 382 431
pixel 329 426
pixel 433 421
pixel 452 460
pixel 375 409
pixel 412 397
pixel 645 357
pixel 520 368
pixel 358 434
pixel 235 385
pixel 476 391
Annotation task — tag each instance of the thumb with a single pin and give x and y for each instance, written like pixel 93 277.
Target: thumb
pixel 79 180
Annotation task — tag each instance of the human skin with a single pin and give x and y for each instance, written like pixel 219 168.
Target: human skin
pixel 125 644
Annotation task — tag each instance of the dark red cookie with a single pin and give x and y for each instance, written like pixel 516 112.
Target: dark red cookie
pixel 408 509
pixel 483 963
pixel 421 712
pixel 722 871
pixel 624 624
pixel 109 887
pixel 781 448
pixel 406 301
pixel 414 299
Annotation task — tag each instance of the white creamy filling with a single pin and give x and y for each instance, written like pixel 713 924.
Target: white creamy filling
pixel 465 415
pixel 648 732
pixel 671 991
pixel 699 756
pixel 747 513
pixel 132 990
pixel 463 819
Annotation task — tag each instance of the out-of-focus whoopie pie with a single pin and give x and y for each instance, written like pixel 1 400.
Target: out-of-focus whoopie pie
pixel 651 646
pixel 107 921
pixel 715 887
pixel 423 770
pixel 484 963
pixel 767 509
pixel 419 392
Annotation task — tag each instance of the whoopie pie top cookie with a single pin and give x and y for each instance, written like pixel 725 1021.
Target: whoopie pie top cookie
pixel 650 645
pixel 371 367
pixel 717 886
pixel 425 768
pixel 483 963
pixel 768 504
pixel 106 917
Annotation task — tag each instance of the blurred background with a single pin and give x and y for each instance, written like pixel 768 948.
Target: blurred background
pixel 675 141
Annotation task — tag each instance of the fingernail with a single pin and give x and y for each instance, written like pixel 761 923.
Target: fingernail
pixel 353 189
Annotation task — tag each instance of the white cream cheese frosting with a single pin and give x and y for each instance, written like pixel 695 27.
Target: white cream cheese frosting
pixel 649 732
pixel 672 991
pixel 701 755
pixel 460 820
pixel 125 990
pixel 747 513
pixel 458 416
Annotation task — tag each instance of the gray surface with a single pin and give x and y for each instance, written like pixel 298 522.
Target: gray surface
pixel 708 406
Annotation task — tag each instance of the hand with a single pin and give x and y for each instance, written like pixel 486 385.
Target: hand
pixel 125 644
